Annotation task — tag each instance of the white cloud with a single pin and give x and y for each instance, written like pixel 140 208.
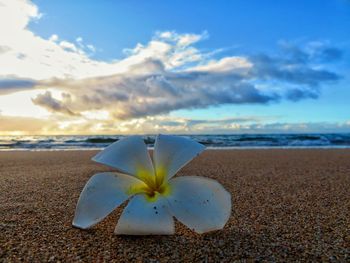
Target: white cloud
pixel 226 64
pixel 68 46
pixel 53 38
pixel 30 56
pixel 91 48
pixel 15 15
pixel 182 40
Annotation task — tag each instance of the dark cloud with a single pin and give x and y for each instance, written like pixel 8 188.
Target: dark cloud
pixel 331 54
pixel 218 122
pixel 296 69
pixel 171 123
pixel 299 94
pixel 312 52
pixel 48 102
pixel 13 84
pixel 149 88
pixel 158 94
pixel 138 94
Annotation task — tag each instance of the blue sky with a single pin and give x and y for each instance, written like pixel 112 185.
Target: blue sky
pixel 241 26
pixel 291 59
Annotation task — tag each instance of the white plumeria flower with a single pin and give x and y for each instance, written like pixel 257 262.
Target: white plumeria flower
pixel 200 203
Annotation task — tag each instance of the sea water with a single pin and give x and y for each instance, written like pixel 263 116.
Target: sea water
pixel 220 141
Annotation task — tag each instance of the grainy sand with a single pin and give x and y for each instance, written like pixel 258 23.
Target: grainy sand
pixel 288 205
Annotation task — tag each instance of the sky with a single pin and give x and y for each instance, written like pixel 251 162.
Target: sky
pixel 147 67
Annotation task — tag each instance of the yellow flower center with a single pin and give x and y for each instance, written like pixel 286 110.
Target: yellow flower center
pixel 152 186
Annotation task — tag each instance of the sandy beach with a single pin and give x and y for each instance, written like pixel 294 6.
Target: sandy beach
pixel 288 205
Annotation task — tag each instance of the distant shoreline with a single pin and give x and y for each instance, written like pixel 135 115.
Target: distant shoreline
pixel 228 148
pixel 218 141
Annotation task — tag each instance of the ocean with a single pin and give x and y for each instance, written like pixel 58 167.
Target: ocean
pixel 228 141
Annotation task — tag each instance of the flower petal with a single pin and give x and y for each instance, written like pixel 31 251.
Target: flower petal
pixel 142 217
pixel 129 155
pixel 171 153
pixel 101 195
pixel 200 203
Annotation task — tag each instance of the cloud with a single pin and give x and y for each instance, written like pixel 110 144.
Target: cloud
pixel 293 67
pixel 165 74
pixel 158 91
pixel 17 14
pixel 68 46
pixel 163 124
pixel 51 104
pixel 30 56
pixel 246 125
pixel 4 49
pixel 324 52
pixel 13 84
pixel 299 94
pixel 331 54
pixel 182 40
pixel 23 125
pixel 152 86
pixel 53 38
pixel 240 64
pixel 300 127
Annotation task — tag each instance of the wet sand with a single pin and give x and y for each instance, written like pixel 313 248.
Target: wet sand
pixel 288 205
